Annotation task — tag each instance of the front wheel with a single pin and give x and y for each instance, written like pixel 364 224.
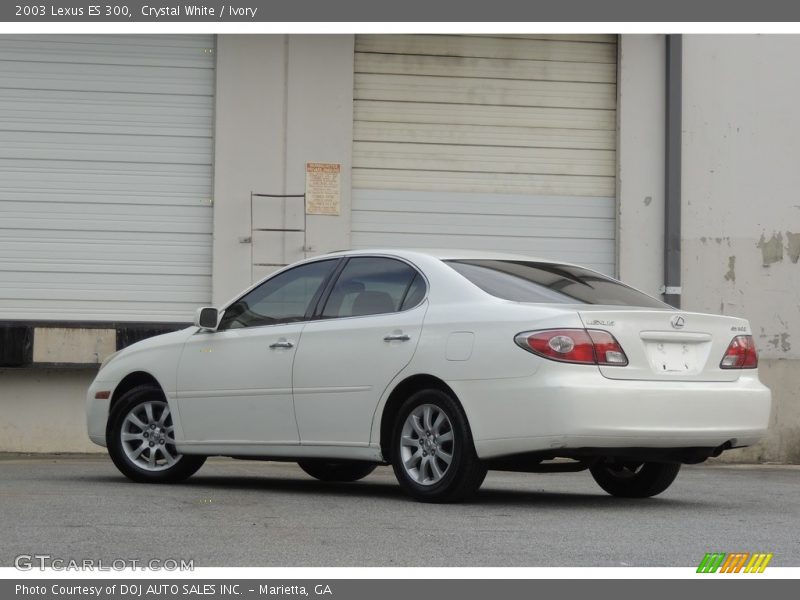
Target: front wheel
pixel 433 455
pixel 629 479
pixel 343 471
pixel 141 439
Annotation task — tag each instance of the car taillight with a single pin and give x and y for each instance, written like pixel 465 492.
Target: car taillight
pixel 741 354
pixel 581 346
pixel 607 349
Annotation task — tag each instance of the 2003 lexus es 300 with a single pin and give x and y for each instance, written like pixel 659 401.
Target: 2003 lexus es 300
pixel 444 364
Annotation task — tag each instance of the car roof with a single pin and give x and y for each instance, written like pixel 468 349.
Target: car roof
pixel 445 254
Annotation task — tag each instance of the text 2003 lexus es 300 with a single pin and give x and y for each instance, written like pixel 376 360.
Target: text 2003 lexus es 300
pixel 444 364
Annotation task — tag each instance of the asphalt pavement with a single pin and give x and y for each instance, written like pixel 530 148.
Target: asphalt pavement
pixel 247 513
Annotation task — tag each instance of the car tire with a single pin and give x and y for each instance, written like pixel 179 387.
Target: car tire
pixel 138 429
pixel 430 430
pixel 634 480
pixel 333 471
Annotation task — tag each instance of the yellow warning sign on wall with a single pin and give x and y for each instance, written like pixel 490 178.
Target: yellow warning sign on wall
pixel 323 188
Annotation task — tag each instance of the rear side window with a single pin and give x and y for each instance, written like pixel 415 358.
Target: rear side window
pixel 415 294
pixel 374 285
pixel 524 281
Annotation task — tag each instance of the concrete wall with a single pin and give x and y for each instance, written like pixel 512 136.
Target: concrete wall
pixel 640 186
pixel 44 410
pixel 741 205
pixel 281 101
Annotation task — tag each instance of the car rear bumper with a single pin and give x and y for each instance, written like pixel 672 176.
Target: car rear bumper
pixel 553 411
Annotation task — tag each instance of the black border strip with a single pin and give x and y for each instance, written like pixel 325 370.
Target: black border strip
pixel 16 338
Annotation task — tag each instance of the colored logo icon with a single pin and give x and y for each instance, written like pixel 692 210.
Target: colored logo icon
pixel 735 562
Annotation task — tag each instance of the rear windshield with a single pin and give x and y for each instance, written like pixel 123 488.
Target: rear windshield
pixel 523 281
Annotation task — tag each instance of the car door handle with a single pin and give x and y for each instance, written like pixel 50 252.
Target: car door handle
pixel 397 337
pixel 282 344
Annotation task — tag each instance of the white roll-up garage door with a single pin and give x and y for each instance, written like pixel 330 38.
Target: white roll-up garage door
pixel 502 143
pixel 105 177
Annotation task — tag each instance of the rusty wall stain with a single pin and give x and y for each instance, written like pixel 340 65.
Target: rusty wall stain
pixel 785 345
pixel 778 341
pixel 731 274
pixel 771 249
pixel 793 246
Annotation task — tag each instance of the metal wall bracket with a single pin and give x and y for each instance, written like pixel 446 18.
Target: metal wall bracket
pixel 670 289
pixel 283 198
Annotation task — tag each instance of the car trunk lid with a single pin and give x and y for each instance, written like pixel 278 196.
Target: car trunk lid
pixel 667 345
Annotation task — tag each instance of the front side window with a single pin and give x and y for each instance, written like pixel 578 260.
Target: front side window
pixel 540 282
pixel 285 298
pixel 374 285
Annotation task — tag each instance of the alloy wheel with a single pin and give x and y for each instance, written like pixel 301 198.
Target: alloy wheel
pixel 148 437
pixel 427 444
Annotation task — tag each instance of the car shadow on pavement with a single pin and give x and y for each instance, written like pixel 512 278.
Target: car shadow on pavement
pixel 488 496
pixel 545 499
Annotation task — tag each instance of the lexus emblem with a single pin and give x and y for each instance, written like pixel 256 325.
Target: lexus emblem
pixel 677 322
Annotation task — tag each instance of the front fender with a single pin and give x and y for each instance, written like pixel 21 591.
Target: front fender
pixel 157 357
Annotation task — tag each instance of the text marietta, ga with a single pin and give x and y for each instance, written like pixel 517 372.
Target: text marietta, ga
pixel 170 589
pixel 193 10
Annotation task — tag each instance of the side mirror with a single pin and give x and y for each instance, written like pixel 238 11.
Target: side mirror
pixel 206 318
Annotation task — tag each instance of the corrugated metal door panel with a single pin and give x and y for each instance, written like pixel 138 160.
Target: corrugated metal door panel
pixel 485 159
pixel 450 203
pixel 503 116
pixel 603 38
pixel 485 135
pixel 483 183
pixel 105 78
pixel 573 228
pixel 108 252
pixel 453 66
pixel 55 216
pixel 105 176
pixel 470 224
pixel 487 142
pixel 589 255
pixel 128 148
pixel 106 182
pixel 105 112
pixel 464 90
pixel 148 50
pixel 490 47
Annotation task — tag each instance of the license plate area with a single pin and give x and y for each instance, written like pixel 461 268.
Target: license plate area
pixel 678 358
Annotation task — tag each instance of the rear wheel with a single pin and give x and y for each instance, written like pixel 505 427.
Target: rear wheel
pixel 629 479
pixel 141 439
pixel 337 471
pixel 433 455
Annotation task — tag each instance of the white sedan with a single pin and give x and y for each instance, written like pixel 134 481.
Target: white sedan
pixel 443 364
